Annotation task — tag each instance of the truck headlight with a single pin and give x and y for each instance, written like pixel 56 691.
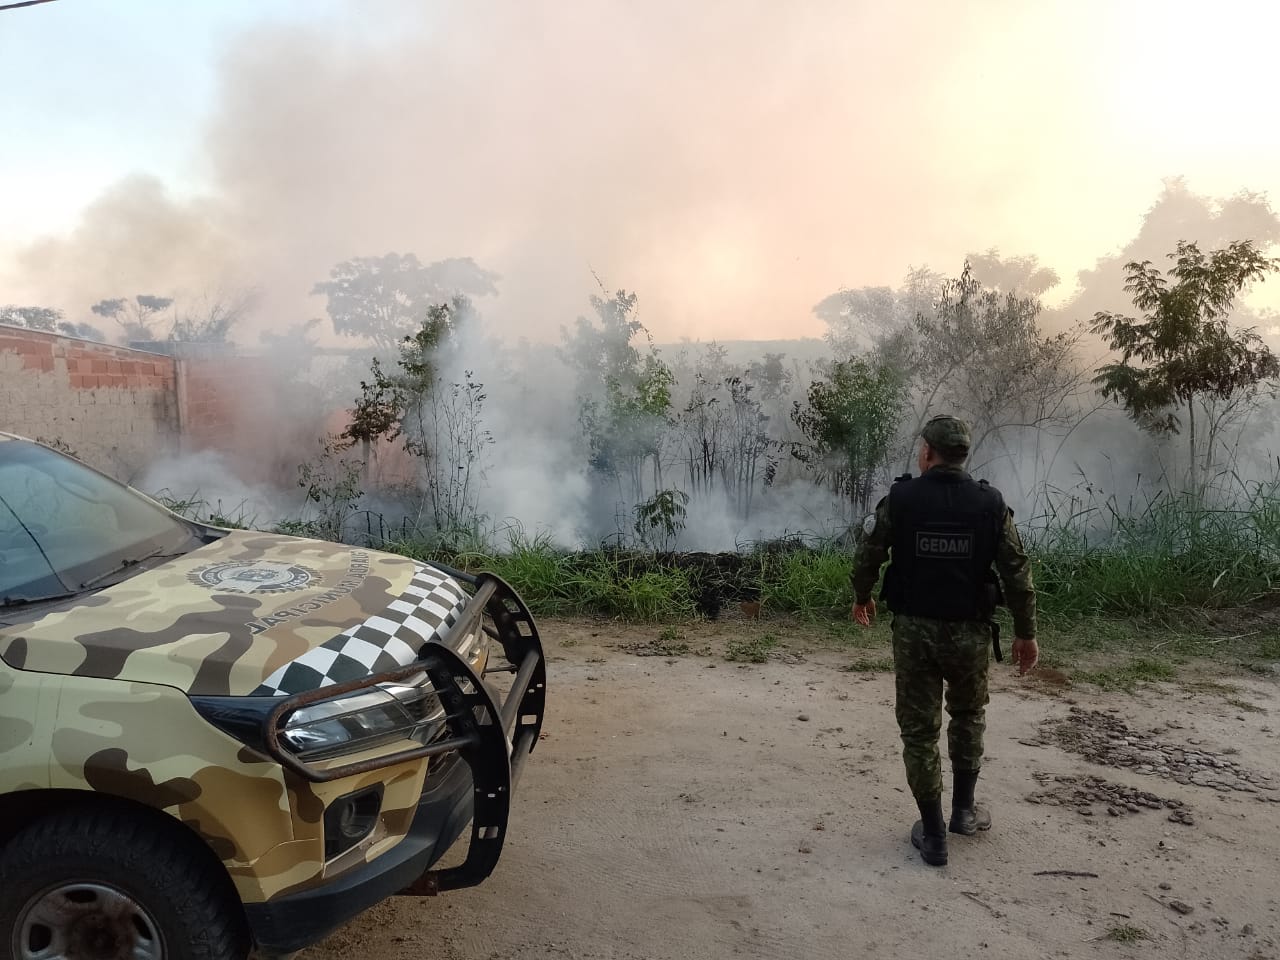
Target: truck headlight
pixel 409 710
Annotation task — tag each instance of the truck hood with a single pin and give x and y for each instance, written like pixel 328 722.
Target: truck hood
pixel 251 614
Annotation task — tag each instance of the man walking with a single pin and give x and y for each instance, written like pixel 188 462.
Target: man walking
pixel 943 533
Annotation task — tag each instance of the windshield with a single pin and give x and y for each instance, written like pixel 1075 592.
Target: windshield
pixel 65 527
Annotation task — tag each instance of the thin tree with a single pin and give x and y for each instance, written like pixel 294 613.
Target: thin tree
pixel 849 421
pixel 1183 353
pixel 625 395
pixel 385 298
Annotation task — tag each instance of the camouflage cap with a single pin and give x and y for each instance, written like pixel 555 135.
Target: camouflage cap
pixel 947 435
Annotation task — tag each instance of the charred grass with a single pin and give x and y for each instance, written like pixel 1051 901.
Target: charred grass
pixel 647 587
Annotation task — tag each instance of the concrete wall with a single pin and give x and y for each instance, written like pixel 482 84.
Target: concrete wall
pixel 115 408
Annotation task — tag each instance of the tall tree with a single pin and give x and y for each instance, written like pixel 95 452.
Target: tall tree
pixel 1024 276
pixel 81 330
pixel 1184 352
pixel 33 318
pixel 878 318
pixel 137 317
pixel 703 420
pixel 748 444
pixel 625 393
pixel 722 427
pixel 1177 213
pixel 984 356
pixel 439 418
pixel 48 319
pixel 387 298
pixel 209 318
pixel 379 412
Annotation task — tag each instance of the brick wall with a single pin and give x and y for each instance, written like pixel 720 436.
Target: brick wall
pixel 247 409
pixel 122 409
pixel 116 408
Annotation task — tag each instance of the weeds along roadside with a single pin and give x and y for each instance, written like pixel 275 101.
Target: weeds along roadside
pixel 1150 581
pixel 1158 557
pixel 1156 565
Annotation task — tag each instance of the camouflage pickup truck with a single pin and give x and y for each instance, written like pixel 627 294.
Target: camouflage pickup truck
pixel 214 741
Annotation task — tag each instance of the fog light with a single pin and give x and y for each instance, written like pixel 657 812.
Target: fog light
pixel 350 819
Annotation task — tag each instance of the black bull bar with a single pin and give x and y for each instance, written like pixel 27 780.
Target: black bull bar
pixel 494 739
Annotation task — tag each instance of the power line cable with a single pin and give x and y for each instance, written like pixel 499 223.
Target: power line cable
pixel 24 3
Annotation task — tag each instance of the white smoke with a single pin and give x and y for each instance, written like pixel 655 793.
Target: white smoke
pixel 205 485
pixel 731 170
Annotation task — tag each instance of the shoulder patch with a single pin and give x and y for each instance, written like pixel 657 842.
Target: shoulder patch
pixel 869 524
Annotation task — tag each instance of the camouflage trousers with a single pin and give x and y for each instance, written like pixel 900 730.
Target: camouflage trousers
pixel 927 653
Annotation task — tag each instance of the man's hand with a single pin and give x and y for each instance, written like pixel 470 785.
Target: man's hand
pixel 864 613
pixel 1026 654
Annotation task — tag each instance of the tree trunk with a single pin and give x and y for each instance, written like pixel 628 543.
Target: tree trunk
pixel 1194 473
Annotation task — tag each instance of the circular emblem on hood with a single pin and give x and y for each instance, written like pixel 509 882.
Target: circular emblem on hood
pixel 254 576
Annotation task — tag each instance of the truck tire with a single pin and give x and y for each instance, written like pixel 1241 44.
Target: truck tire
pixel 86 883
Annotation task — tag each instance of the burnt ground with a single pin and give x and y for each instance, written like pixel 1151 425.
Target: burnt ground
pixel 683 806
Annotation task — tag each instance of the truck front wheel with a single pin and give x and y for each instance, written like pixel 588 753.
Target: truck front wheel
pixel 92 885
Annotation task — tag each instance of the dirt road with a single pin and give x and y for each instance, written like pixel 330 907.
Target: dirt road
pixel 690 807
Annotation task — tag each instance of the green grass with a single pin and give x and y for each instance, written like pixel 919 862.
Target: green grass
pixel 1099 572
pixel 1268 646
pixel 1126 591
pixel 195 507
pixel 1157 557
pixel 1066 643
pixel 534 572
pixel 751 649
pixel 1117 650
pixel 650 596
pixel 1086 643
pixel 1128 676
pixel 1126 933
pixel 553 583
pixel 843 632
pixel 809 582
pixel 877 665
pixel 644 587
pixel 1054 659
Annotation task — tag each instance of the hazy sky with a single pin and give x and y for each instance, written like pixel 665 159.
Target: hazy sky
pixel 733 161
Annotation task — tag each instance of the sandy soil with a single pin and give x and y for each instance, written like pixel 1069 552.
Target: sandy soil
pixel 690 807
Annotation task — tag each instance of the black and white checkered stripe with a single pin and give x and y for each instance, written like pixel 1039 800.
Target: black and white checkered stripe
pixel 430 604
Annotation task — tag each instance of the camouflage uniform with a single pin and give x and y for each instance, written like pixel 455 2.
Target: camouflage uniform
pixel 927 652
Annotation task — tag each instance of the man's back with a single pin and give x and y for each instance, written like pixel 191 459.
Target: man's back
pixel 945 530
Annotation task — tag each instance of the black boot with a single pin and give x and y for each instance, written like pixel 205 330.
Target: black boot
pixel 929 835
pixel 967 817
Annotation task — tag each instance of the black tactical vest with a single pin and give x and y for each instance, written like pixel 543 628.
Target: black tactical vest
pixel 946 527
